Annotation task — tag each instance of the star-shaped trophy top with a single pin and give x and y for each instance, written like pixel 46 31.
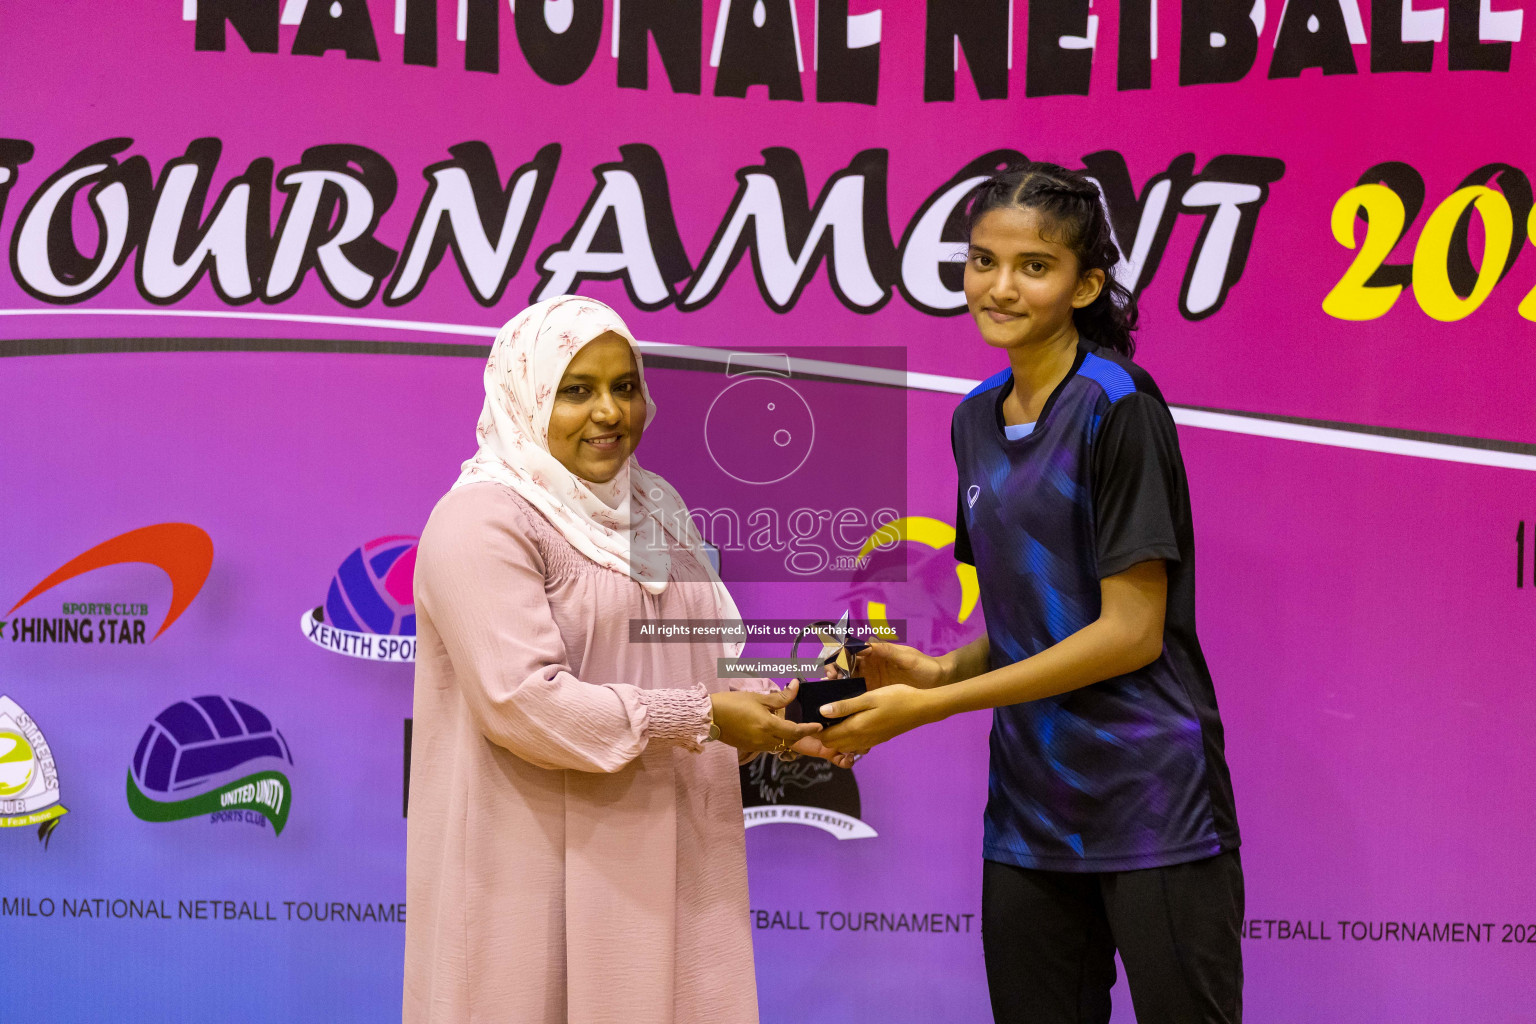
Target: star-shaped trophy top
pixel 838 646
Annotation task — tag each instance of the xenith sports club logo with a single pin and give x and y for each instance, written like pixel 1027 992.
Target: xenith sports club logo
pixel 215 756
pixel 106 615
pixel 370 608
pixel 29 778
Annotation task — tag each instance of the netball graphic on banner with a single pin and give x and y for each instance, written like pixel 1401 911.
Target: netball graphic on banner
pixel 255 254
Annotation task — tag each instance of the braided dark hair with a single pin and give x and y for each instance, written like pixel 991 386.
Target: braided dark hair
pixel 1071 204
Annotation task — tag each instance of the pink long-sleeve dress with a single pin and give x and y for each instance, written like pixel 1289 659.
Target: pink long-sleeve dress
pixel 575 851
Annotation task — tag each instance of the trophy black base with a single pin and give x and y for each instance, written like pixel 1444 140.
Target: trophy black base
pixel 816 692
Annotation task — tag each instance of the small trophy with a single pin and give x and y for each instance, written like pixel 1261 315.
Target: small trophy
pixel 838 649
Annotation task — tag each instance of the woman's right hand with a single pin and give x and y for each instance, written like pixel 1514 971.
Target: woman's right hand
pixel 887 664
pixel 750 721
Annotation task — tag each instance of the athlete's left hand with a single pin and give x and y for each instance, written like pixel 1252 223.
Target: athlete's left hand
pixel 877 716
pixel 811 746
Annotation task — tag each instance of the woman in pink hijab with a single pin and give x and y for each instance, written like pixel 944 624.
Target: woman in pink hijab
pixel 575 849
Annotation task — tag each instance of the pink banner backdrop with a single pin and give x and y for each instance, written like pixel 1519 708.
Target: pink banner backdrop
pixel 254 250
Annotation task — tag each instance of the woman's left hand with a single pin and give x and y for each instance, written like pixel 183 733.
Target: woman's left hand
pixel 877 716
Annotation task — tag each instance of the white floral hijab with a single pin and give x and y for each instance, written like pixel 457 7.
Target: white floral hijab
pixel 616 524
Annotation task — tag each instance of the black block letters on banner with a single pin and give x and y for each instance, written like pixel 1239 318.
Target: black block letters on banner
pixel 1135 70
pixel 1060 60
pixel 1218 42
pixel 254 20
pixel 761 42
pixel 1388 51
pixel 339 25
pixel 559 41
pixel 1467 50
pixel 676 25
pixel 421 32
pixel 760 54
pixel 1312 34
pixel 847 69
pixel 482 35
pixel 980 29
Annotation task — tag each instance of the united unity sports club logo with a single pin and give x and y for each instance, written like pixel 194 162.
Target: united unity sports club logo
pixel 215 756
pixel 29 778
pixel 106 613
pixel 370 607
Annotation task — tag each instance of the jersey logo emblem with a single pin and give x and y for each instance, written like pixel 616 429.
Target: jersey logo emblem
pixel 971 494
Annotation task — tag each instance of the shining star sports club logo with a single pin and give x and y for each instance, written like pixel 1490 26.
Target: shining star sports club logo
pixel 370 608
pixel 105 614
pixel 29 778
pixel 215 756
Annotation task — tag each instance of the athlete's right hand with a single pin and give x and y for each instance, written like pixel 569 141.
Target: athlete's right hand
pixel 753 721
pixel 886 664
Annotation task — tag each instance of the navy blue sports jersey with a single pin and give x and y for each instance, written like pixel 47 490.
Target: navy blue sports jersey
pixel 1126 773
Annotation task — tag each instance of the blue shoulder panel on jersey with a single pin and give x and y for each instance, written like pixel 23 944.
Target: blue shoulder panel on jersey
pixel 1112 377
pixel 995 381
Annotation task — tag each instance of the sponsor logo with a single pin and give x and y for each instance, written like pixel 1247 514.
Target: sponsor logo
pixel 971 494
pixel 29 778
pixel 809 791
pixel 183 551
pixel 215 756
pixel 370 608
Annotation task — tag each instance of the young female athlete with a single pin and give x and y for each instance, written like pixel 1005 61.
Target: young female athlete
pixel 1110 821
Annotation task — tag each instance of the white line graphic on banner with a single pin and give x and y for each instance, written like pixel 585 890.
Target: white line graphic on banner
pixel 1337 438
pixel 1236 423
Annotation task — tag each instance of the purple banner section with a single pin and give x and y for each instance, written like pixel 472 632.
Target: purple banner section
pixel 253 256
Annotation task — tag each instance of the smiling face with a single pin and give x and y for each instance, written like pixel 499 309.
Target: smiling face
pixel 598 413
pixel 1021 284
